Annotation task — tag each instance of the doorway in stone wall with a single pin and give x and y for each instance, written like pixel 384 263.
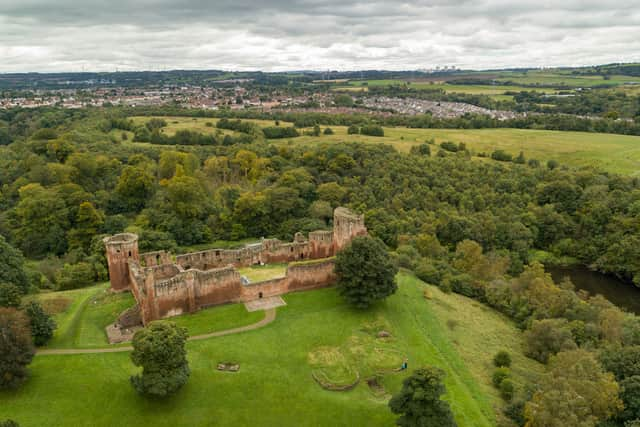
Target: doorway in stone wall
pixel 260 295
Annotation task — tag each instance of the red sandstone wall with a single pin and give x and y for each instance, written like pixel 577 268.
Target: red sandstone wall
pixel 311 276
pixel 268 288
pixel 217 287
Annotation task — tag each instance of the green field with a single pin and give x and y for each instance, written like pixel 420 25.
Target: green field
pixel 495 91
pixel 274 385
pixel 614 153
pixel 544 78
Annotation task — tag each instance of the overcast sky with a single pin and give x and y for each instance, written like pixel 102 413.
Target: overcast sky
pixel 275 35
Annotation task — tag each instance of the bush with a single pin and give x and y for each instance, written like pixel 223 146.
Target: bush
pixel 328 131
pixel 507 389
pixel 499 375
pixel 515 412
pixel 421 150
pixel 501 156
pixel 502 359
pixel 449 146
pixel 372 130
pixel 428 273
pixel 353 130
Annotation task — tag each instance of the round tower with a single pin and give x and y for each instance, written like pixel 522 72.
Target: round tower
pixel 346 226
pixel 120 249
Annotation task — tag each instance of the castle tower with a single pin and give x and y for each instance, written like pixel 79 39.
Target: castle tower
pixel 346 226
pixel 120 249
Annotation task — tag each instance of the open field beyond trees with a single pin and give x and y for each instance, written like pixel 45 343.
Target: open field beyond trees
pixel 614 153
pixel 315 332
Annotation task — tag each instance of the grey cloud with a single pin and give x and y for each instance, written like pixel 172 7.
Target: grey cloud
pixel 57 35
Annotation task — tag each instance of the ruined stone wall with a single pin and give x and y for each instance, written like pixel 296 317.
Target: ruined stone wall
pixel 216 258
pixel 311 275
pixel 217 286
pixel 151 259
pixel 321 244
pixel 265 289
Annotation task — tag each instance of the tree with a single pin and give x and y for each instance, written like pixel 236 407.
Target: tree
pixel 630 395
pixel 10 295
pixel 134 187
pixel 42 325
pixel 547 337
pixel 16 347
pixel 365 272
pixel 353 130
pixel 575 392
pixel 160 350
pixel 12 266
pixel 419 403
pixel 89 220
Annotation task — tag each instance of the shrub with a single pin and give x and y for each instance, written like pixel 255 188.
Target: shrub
pixel 353 130
pixel 449 146
pixel 372 130
pixel 499 375
pixel 515 412
pixel 507 389
pixel 501 156
pixel 328 131
pixel 421 150
pixel 428 273
pixel 502 359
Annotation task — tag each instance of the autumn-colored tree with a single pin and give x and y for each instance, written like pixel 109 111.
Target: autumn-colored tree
pixel 575 392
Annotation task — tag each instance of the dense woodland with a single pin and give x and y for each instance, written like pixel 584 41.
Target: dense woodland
pixel 465 224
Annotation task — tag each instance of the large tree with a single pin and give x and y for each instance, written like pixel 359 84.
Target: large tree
pixel 419 403
pixel 575 392
pixel 16 347
pixel 366 272
pixel 159 350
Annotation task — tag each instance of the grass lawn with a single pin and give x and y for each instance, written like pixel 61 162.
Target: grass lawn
pixel 274 385
pixel 259 273
pixel 89 310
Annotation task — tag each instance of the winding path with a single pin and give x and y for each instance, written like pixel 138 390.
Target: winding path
pixel 270 316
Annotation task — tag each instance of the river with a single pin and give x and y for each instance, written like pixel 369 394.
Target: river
pixel 624 295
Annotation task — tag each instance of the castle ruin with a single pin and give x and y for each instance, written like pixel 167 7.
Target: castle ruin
pixel 165 286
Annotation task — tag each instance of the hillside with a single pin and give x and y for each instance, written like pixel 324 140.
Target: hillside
pixel 275 377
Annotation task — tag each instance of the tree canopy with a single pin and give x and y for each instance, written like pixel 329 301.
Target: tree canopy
pixel 366 272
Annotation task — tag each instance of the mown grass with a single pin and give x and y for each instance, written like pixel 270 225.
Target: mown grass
pixel 274 385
